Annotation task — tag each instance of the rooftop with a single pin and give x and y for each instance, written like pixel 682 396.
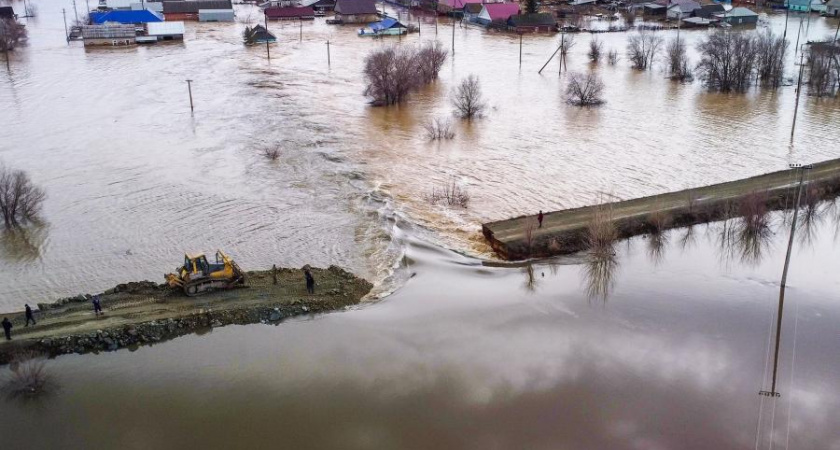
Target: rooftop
pixel 192 6
pixel 501 11
pixel 356 7
pixel 276 12
pixel 165 28
pixel 125 17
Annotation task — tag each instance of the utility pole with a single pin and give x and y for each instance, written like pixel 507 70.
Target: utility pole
pixel 75 13
pixel 189 89
pixel 520 49
pixel 267 51
pixel 787 14
pixel 773 392
pixel 798 91
pixel 453 36
pixel 328 53
pixel 301 29
pixel 66 34
pixel 419 33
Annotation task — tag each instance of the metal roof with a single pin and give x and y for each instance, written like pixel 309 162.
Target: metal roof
pixel 125 17
pixel 192 6
pixel 356 7
pixel 165 28
pixel 275 12
pixel 385 24
pixel 738 12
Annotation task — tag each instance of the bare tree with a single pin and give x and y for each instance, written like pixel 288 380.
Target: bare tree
pixel 28 376
pixel 612 57
pixel 823 68
pixel 467 99
pixel 437 129
pixel 271 153
pixel 585 89
pixel 12 34
pixel 595 49
pixel 20 200
pixel 630 19
pixel 430 59
pixel 678 68
pixel 770 58
pixel 727 61
pixel 642 49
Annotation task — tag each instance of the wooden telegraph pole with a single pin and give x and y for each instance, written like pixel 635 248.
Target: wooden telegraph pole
pixel 267 51
pixel 189 89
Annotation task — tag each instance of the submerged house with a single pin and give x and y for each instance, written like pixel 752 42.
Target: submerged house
pixel 682 9
pixel 6 12
pixel 319 5
pixel 799 5
pixel 289 13
pixel 497 13
pixel 258 35
pixel 126 17
pixel 385 27
pixel 455 6
pixel 832 8
pixel 531 23
pixel 709 11
pixel 738 16
pixel 114 35
pixel 165 31
pixel 356 11
pixel 189 10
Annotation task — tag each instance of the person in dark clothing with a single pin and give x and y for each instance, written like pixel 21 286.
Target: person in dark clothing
pixel 540 218
pixel 310 282
pixel 97 306
pixel 7 328
pixel 29 316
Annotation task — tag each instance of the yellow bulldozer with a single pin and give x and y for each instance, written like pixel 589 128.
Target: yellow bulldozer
pixel 197 276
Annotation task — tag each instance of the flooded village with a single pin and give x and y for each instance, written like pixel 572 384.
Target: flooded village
pixel 578 224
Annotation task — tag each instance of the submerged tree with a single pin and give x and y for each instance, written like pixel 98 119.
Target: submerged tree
pixel 585 89
pixel 727 61
pixel 467 98
pixel 12 34
pixel 770 58
pixel 595 49
pixel 642 49
pixel 678 68
pixel 393 72
pixel 823 68
pixel 20 199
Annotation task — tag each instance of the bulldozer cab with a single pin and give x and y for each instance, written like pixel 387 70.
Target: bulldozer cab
pixel 196 264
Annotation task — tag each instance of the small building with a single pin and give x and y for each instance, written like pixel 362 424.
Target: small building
pixel 832 8
pixel 385 27
pixel 188 10
pixel 216 15
pixel 454 6
pixel 126 17
pixel 799 5
pixel 709 11
pixel 166 31
pixel 356 11
pixel 654 9
pixel 319 5
pixel 289 13
pixel 471 11
pixel 496 13
pixel 531 23
pixel 109 35
pixel 258 35
pixel 698 22
pixel 682 9
pixel 738 16
pixel 6 12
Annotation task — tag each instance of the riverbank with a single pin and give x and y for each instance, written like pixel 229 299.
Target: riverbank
pixel 145 312
pixel 565 232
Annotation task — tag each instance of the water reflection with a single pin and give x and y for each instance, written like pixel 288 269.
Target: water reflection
pixel 21 245
pixel 599 272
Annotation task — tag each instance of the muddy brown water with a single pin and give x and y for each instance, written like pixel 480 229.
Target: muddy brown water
pixel 134 180
pixel 469 356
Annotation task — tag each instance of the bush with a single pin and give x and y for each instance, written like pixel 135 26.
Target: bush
pixel 28 377
pixel 271 153
pixel 595 49
pixel 437 129
pixel 451 194
pixel 585 90
pixel 612 57
pixel 678 61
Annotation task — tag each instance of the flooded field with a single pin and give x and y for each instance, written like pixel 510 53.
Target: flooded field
pixel 134 180
pixel 471 356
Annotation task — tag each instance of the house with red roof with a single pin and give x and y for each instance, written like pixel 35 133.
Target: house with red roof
pixel 289 13
pixel 496 13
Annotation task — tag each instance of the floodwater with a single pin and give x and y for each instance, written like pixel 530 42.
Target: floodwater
pixel 470 356
pixel 134 180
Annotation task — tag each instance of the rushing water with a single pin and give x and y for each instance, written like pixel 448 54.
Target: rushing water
pixel 471 356
pixel 134 180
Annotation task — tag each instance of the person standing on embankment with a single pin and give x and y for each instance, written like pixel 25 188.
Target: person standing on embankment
pixel 29 316
pixel 7 328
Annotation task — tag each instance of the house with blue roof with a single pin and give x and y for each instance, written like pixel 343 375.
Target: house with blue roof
pixel 126 17
pixel 385 27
